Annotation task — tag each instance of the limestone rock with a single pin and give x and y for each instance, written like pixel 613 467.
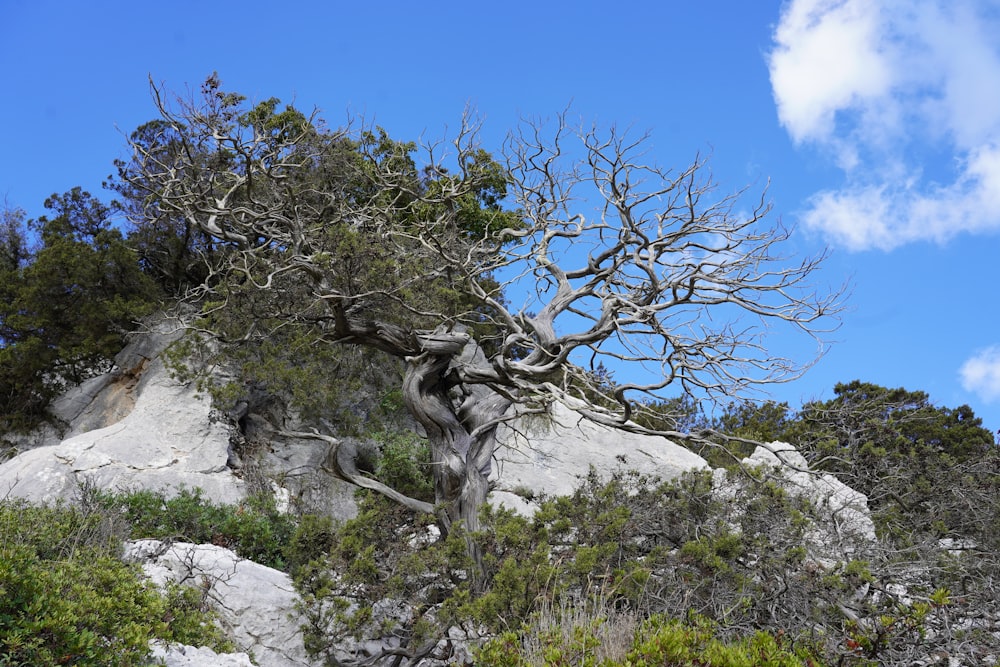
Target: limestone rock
pixel 297 468
pixel 166 440
pixel 109 398
pixel 255 604
pixel 135 427
pixel 553 455
pixel 175 655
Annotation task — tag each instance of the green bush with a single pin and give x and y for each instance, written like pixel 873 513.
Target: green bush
pixel 58 532
pixel 663 641
pixel 631 545
pixel 385 552
pixel 66 597
pixel 659 642
pixel 66 302
pixel 254 529
pixel 312 540
pixel 404 463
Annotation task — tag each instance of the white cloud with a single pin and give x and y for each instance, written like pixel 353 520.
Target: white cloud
pixel 980 374
pixel 826 59
pixel 963 54
pixel 905 96
pixel 894 212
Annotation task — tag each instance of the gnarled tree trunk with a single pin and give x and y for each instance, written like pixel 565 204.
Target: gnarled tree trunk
pixel 460 420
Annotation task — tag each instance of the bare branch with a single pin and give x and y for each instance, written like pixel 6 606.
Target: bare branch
pixel 342 465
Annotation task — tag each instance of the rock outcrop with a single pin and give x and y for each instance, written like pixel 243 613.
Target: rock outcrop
pixel 255 604
pixel 136 427
pixel 846 509
pixel 174 655
pixel 553 454
pixel 139 428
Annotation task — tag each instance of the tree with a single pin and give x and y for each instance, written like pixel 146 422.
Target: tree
pixel 168 250
pixel 739 427
pixel 919 464
pixel 932 477
pixel 13 241
pixel 416 263
pixel 65 306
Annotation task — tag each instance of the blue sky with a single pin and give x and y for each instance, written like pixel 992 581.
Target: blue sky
pixel 876 121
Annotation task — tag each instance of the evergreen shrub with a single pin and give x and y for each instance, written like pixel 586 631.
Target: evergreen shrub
pixel 66 597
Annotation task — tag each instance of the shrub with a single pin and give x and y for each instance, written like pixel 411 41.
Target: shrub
pixel 254 529
pixel 404 463
pixel 66 598
pixel 632 547
pixel 663 641
pixel 312 540
pixel 659 641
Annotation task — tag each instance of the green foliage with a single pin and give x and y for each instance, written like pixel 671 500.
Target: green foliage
pixel 517 568
pixel 66 598
pixel 868 420
pixel 658 642
pixel 58 532
pixel 907 455
pixel 384 553
pixel 14 252
pixel 664 641
pixel 629 545
pixel 741 424
pixel 757 422
pixel 65 306
pixel 312 540
pixel 253 529
pixel 404 463
pixel 870 642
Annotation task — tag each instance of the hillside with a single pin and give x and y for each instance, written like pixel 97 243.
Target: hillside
pixel 597 521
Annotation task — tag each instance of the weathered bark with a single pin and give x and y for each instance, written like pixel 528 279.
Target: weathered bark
pixel 340 460
pixel 460 421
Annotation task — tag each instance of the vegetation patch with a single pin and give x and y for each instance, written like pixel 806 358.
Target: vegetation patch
pixel 66 597
pixel 254 529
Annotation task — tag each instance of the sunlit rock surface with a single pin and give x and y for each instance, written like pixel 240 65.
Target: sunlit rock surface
pixel 255 604
pixel 554 454
pixel 136 427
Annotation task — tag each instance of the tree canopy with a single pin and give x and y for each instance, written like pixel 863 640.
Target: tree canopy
pixel 919 464
pixel 65 304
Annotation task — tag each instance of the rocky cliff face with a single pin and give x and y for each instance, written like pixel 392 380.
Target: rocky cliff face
pixel 134 428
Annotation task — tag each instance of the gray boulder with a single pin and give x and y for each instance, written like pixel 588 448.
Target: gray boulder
pixel 255 604
pixel 554 454
pixel 161 436
pixel 175 655
pixel 841 526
